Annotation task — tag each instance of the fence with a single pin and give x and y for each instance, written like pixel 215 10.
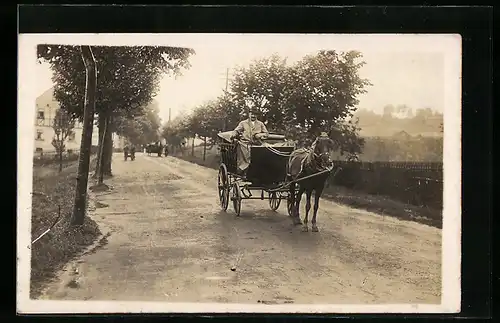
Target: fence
pixel 409 182
pixel 50 157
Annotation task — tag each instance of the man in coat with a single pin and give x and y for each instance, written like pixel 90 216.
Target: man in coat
pixel 245 132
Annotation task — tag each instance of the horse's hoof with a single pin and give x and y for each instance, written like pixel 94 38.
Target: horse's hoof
pixel 315 229
pixel 305 229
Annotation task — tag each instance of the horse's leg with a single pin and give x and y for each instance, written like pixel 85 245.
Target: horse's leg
pixel 295 205
pixel 317 195
pixel 305 228
pixel 291 192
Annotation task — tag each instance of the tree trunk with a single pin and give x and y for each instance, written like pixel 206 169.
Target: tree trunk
pixel 101 124
pixel 192 147
pixel 204 148
pixel 108 148
pixel 60 160
pixel 80 203
pixel 101 151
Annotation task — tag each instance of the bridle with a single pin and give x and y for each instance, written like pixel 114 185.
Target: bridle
pixel 319 157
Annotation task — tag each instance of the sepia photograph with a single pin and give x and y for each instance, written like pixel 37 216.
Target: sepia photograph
pixel 214 173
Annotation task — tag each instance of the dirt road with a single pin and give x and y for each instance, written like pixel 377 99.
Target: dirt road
pixel 169 241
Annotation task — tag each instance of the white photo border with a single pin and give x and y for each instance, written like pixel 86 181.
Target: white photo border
pixel 448 44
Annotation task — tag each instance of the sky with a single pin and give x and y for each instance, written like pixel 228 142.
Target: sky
pixel 403 74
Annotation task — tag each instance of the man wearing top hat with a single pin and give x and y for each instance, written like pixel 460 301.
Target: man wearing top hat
pixel 245 132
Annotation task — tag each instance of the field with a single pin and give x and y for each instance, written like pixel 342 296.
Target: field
pixel 401 189
pixel 53 196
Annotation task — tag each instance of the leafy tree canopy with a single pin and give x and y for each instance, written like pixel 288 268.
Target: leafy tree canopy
pixel 142 129
pixel 318 93
pixel 128 77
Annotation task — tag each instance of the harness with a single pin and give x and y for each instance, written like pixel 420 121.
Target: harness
pixel 311 157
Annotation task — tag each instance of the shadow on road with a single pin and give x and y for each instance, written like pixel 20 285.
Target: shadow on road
pixel 270 228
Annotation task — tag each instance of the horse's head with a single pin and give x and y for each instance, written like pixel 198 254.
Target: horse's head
pixel 323 146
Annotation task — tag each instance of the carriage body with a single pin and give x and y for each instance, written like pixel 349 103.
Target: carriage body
pixel 266 167
pixel 267 170
pixel 154 149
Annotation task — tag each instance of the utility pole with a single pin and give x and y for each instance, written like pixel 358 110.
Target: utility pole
pixel 227 77
pixel 225 92
pixel 169 114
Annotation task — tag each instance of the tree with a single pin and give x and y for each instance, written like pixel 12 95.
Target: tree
pixel 347 139
pixel 176 131
pixel 318 93
pixel 206 121
pixel 128 80
pixel 265 86
pixel 325 91
pixel 142 129
pixel 80 203
pixel 63 126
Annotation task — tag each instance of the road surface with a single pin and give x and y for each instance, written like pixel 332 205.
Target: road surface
pixel 169 241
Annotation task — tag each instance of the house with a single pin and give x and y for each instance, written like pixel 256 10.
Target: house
pixel 46 107
pixel 118 141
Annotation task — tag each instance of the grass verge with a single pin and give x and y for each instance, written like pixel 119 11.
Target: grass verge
pixel 383 205
pixel 63 242
pixel 369 202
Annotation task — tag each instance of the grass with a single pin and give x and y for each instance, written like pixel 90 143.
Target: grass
pixel 369 202
pixel 51 158
pixel 63 242
pixel 383 205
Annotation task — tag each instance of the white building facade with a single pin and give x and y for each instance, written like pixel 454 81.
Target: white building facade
pixel 46 107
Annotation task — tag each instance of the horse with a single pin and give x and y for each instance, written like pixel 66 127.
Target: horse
pixel 304 162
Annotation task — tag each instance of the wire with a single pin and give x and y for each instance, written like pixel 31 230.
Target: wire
pixel 56 220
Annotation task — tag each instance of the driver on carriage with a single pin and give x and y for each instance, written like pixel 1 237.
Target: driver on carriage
pixel 245 132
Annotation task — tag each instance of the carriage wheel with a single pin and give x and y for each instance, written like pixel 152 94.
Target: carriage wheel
pixel 274 201
pixel 289 206
pixel 223 185
pixel 236 197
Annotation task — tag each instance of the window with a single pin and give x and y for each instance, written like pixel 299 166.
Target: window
pixel 71 136
pixel 39 135
pixel 41 115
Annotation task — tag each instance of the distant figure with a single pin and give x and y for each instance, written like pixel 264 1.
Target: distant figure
pixel 159 148
pixel 132 152
pixel 125 151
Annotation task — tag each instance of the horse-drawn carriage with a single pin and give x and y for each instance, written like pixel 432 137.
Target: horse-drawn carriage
pixel 156 148
pixel 266 171
pixel 278 171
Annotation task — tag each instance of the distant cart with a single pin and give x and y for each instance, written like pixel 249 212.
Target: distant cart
pixel 129 153
pixel 155 148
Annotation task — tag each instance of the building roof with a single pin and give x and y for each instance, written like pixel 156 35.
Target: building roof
pixel 46 99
